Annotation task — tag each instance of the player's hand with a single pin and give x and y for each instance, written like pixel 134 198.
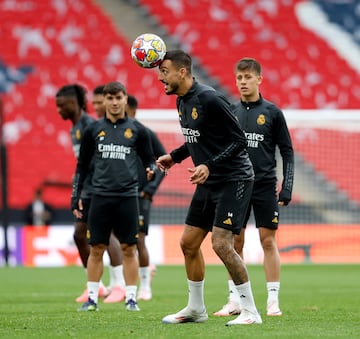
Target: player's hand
pixel 164 163
pixel 145 195
pixel 284 198
pixel 150 173
pixel 77 212
pixel 199 174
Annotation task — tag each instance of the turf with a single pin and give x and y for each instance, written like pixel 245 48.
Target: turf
pixel 316 300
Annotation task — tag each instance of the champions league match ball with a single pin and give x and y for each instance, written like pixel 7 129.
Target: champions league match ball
pixel 148 50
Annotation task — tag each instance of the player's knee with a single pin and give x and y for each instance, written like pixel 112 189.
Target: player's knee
pixel 98 250
pixel 80 232
pixel 268 243
pixel 128 251
pixel 79 237
pixel 220 247
pixel 188 248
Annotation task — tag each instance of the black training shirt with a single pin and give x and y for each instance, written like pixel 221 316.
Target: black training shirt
pixel 114 148
pixel 265 127
pixel 213 135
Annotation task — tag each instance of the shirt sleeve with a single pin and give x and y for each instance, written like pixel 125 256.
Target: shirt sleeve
pixel 158 147
pixel 152 186
pixel 85 156
pixel 179 154
pixel 144 147
pixel 283 140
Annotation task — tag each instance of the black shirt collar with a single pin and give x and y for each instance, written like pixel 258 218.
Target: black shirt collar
pixel 118 121
pixel 253 103
pixel 192 89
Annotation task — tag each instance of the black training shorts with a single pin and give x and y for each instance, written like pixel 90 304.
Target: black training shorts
pixel 223 205
pixel 264 202
pixel 117 214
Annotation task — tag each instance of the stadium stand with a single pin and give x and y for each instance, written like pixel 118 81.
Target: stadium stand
pixel 47 45
pixel 302 68
pixel 324 148
pixel 346 14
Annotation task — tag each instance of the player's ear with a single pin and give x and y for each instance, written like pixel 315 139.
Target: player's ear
pixel 260 79
pixel 183 72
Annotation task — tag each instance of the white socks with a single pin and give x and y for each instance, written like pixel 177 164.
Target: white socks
pixel 273 289
pixel 233 293
pixel 196 295
pixel 93 290
pixel 116 276
pixel 144 273
pixel 130 292
pixel 246 297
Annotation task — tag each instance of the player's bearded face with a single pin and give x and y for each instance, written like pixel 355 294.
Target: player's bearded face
pixel 171 88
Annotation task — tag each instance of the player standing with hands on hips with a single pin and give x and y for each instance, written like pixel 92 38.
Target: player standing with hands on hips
pixel 223 176
pixel 265 128
pixel 113 144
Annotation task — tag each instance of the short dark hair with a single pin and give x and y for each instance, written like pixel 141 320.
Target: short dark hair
pixel 179 59
pixel 114 87
pixel 74 90
pixel 132 102
pixel 99 89
pixel 248 64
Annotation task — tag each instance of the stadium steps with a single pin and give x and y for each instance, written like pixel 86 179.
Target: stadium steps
pixel 303 66
pixel 132 19
pixel 327 201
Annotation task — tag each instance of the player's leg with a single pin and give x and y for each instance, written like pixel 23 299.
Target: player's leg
pixel 266 211
pixel 130 263
pixel 82 245
pixel 95 269
pixel 117 282
pixel 145 292
pixel 200 213
pixel 272 269
pixel 126 228
pixel 222 242
pixel 232 307
pixel 232 200
pixel 81 241
pixel 99 230
pixel 195 310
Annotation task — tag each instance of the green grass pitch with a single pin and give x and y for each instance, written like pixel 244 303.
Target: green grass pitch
pixel 318 301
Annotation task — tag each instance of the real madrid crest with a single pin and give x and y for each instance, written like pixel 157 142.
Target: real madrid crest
pixel 261 119
pixel 128 133
pixel 194 113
